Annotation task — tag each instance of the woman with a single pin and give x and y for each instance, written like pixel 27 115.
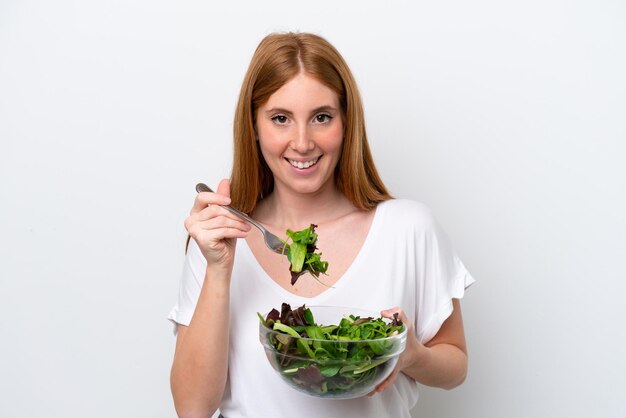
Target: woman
pixel 301 157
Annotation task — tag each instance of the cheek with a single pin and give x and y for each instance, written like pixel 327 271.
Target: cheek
pixel 270 148
pixel 334 139
pixel 268 141
pixel 265 152
pixel 271 137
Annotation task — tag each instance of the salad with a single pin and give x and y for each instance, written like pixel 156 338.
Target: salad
pixel 335 359
pixel 301 253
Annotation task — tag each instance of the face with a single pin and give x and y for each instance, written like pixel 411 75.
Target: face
pixel 300 132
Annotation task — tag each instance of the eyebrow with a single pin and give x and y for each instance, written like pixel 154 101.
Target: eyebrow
pixel 326 108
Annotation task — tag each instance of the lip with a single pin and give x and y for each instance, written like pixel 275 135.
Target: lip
pixel 308 170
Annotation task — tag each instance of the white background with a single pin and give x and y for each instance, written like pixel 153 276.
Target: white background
pixel 506 118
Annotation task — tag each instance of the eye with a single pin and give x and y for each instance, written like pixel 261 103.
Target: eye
pixel 322 118
pixel 280 119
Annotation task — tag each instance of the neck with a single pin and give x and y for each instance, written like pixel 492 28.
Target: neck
pixel 285 208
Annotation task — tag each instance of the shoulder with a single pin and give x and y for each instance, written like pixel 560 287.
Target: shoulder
pixel 407 213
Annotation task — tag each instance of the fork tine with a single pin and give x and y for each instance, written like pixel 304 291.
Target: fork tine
pixel 274 243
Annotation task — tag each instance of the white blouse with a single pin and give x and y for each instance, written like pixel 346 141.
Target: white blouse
pixel 406 261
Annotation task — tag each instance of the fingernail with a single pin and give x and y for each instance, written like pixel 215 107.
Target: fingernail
pixel 226 200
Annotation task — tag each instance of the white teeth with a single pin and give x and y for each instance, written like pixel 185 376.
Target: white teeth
pixel 305 164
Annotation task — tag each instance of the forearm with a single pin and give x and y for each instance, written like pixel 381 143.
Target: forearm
pixel 442 365
pixel 200 364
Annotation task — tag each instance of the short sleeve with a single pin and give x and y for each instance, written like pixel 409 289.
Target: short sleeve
pixel 441 278
pixel 190 285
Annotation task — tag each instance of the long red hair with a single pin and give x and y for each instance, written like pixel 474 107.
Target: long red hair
pixel 277 59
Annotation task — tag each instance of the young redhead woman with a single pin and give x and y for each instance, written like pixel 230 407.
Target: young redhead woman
pixel 301 157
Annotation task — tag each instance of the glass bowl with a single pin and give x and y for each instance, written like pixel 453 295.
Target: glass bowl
pixel 333 369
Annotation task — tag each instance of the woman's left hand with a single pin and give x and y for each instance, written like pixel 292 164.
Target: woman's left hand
pixel 408 356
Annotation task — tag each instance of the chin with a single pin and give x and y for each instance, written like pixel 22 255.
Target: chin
pixel 309 188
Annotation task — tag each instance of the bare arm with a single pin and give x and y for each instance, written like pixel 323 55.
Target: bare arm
pixel 200 366
pixel 441 362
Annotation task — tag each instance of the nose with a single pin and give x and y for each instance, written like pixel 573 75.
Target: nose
pixel 302 143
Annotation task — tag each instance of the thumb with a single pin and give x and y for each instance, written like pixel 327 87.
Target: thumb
pixel 388 313
pixel 224 188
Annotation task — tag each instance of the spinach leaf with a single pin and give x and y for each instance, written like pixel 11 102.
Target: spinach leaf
pixel 301 253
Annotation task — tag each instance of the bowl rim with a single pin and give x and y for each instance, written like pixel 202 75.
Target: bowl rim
pixel 399 335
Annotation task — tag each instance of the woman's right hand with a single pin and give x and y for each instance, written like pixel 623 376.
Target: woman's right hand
pixel 215 229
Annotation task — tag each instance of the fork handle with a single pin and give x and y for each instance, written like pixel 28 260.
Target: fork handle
pixel 201 187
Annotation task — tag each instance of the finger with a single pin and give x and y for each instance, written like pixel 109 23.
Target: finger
pixel 404 318
pixel 215 217
pixel 388 381
pixel 204 199
pixel 212 237
pixel 215 211
pixel 215 236
pixel 381 387
pixel 388 313
pixel 225 222
pixel 218 223
pixel 224 188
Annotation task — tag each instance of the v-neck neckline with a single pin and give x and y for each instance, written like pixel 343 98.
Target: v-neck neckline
pixel 341 283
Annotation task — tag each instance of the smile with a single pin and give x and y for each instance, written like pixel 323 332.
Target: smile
pixel 303 164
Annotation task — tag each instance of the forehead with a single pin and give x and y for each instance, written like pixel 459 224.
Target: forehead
pixel 303 92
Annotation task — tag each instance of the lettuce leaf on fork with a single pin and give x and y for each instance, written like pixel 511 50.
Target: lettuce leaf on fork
pixel 301 253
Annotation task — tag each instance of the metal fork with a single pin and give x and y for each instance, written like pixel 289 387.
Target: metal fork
pixel 272 241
